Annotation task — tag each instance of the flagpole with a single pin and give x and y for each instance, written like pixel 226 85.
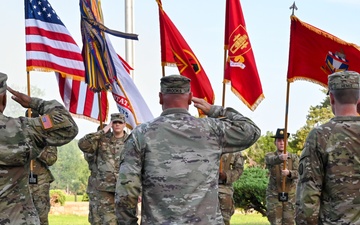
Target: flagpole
pixel 283 197
pixel 224 85
pixel 100 110
pixel 29 115
pixel 129 28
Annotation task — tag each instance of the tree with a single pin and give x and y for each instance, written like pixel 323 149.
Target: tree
pixel 71 170
pixel 317 115
pixel 250 189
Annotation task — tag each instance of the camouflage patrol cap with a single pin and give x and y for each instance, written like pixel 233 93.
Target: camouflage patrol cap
pixel 175 84
pixel 3 86
pixel 343 80
pixel 118 117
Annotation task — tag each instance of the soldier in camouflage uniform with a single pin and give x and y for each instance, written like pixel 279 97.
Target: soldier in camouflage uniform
pixel 329 169
pixel 175 159
pixel 230 171
pixel 40 191
pixel 23 139
pixel 90 158
pixel 281 213
pixel 107 147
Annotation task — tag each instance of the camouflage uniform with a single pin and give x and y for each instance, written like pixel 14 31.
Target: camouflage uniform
pixel 107 149
pixel 93 217
pixel 281 213
pixel 40 192
pixel 22 139
pixel 233 166
pixel 174 160
pixel 328 191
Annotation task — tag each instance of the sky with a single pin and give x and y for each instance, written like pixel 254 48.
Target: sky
pixel 201 22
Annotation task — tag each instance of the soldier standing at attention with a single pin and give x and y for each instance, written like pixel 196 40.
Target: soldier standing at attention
pixel 40 191
pixel 107 146
pixel 174 159
pixel 231 170
pixel 281 213
pixel 329 170
pixel 23 139
pixel 91 191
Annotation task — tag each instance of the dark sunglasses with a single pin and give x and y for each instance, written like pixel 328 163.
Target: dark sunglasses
pixel 118 122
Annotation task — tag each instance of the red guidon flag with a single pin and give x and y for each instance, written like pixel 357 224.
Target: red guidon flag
pixel 240 68
pixel 314 54
pixel 175 51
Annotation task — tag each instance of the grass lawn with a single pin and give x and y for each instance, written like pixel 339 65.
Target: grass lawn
pixel 237 219
pixel 249 219
pixel 71 198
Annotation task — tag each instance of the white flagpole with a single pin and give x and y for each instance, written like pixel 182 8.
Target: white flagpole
pixel 129 28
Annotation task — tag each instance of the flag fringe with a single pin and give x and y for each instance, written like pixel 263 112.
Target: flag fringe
pixel 324 33
pixel 307 79
pixel 64 75
pixel 168 64
pixel 253 106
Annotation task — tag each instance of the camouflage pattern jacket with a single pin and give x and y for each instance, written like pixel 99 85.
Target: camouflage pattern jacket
pixel 22 139
pixel 328 191
pixel 107 150
pixel 274 164
pixel 175 160
pixel 41 165
pixel 233 166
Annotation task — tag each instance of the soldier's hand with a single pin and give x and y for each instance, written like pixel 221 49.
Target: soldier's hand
pixel 285 173
pixel 200 103
pixel 23 99
pixel 107 127
pixel 283 156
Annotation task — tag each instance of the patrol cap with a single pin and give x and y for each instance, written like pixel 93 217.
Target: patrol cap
pixel 280 133
pixel 343 80
pixel 3 86
pixel 118 117
pixel 175 84
pixel 34 113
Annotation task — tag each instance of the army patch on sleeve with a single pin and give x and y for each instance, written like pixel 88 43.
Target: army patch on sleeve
pixel 301 169
pixel 46 122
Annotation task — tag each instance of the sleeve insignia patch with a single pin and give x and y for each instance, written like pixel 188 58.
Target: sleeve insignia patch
pixel 46 122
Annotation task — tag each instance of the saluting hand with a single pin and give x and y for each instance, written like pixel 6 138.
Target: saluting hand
pixel 23 99
pixel 107 127
pixel 201 104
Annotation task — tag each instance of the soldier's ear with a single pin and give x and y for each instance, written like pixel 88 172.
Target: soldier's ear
pixel 161 100
pixel 2 102
pixel 190 97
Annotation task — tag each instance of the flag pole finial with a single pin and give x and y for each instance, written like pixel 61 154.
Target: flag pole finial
pixel 293 7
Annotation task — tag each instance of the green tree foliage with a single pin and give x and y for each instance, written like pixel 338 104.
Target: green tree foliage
pixel 317 115
pixel 71 170
pixel 250 189
pixel 57 197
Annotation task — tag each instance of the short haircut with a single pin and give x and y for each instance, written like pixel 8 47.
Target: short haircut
pixel 346 96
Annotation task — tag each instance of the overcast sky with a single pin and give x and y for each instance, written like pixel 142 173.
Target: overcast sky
pixel 201 23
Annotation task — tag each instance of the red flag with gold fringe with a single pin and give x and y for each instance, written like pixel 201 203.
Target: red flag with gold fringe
pixel 175 51
pixel 314 54
pixel 240 68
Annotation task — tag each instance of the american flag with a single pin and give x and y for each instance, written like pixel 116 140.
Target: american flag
pixel 50 47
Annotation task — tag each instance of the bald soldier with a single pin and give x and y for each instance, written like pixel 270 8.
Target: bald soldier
pixel 329 170
pixel 23 139
pixel 175 159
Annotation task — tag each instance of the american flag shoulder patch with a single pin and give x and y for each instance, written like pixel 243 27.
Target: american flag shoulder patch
pixel 46 122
